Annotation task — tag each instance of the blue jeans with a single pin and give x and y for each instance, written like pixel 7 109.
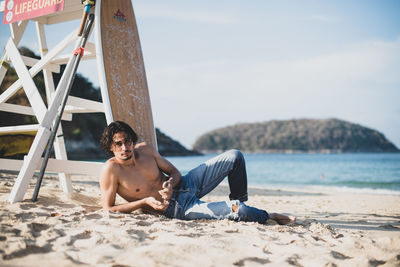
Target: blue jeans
pixel 185 202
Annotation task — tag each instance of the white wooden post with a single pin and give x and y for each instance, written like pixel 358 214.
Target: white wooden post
pixel 17 30
pixel 30 164
pixel 100 67
pixel 59 145
pixel 26 81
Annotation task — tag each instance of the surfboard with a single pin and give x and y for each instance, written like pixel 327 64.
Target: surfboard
pixel 121 70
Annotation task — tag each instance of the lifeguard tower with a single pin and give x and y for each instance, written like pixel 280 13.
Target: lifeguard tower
pixel 120 69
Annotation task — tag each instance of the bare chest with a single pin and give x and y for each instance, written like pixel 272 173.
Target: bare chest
pixel 140 181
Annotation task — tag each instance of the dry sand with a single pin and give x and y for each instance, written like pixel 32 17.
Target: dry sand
pixel 333 229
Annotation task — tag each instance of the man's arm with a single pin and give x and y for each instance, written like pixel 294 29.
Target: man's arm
pixel 172 172
pixel 108 187
pixel 169 169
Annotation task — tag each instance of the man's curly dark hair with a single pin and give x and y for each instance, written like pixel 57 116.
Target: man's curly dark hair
pixel 113 128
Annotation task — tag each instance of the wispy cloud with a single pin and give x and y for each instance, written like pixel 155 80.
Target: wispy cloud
pixel 184 15
pixel 322 18
pixel 375 61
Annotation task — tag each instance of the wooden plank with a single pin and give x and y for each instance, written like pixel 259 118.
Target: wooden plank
pixel 90 53
pixel 30 88
pixel 90 48
pixel 32 61
pixel 3 69
pixel 19 129
pixel 85 103
pixel 74 110
pixel 72 11
pixel 27 110
pixel 121 68
pixel 63 59
pixel 74 15
pixel 12 164
pixel 48 76
pixel 17 109
pixel 17 30
pixel 57 165
pixel 16 34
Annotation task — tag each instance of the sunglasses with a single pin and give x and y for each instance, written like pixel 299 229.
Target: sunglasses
pixel 118 145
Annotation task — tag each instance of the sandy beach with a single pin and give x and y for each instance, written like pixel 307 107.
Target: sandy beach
pixel 333 228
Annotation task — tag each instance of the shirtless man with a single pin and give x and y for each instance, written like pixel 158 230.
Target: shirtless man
pixel 147 181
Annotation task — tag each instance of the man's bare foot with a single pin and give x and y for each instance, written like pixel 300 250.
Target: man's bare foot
pixel 281 219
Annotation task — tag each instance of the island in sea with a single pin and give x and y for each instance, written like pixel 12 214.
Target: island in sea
pixel 295 136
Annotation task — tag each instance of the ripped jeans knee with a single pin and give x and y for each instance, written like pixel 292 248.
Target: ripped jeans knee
pixel 232 210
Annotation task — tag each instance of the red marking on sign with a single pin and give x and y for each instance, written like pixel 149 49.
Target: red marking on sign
pixel 17 10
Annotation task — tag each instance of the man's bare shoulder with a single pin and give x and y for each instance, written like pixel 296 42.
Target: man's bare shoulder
pixel 145 148
pixel 110 163
pixel 109 167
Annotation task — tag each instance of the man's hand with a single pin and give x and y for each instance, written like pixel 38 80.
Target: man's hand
pixel 155 204
pixel 166 192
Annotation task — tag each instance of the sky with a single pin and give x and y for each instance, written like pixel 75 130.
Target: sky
pixel 212 64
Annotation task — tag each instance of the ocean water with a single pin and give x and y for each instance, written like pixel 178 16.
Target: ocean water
pixel 361 172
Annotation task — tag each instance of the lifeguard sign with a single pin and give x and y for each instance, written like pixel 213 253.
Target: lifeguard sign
pixel 17 10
